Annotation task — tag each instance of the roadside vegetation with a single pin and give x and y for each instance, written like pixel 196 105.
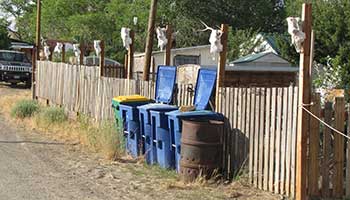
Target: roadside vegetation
pixel 104 138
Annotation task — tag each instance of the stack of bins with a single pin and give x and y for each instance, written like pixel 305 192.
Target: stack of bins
pixel 125 112
pixel 205 86
pixel 153 129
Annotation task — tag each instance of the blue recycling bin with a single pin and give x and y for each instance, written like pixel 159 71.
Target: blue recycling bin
pixel 147 133
pixel 131 127
pixel 165 85
pixel 175 127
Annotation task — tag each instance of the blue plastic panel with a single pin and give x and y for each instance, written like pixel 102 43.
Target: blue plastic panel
pixel 206 82
pixel 166 78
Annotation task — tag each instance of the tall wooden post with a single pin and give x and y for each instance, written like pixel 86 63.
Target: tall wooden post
pixel 149 42
pixel 130 59
pixel 63 58
pixel 304 99
pixel 131 55
pixel 82 53
pixel 167 57
pixel 102 58
pixel 37 47
pixel 126 60
pixel 220 80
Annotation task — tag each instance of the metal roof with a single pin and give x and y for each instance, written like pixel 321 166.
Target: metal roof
pixel 251 57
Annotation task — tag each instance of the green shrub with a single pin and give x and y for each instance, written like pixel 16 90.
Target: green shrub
pixel 24 108
pixel 51 115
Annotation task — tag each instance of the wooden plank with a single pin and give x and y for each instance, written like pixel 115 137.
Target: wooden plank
pixel 230 141
pixel 289 139
pixel 261 138
pixel 283 139
pixel 314 143
pixel 338 181
pixel 294 138
pixel 278 140
pixel 251 137
pixel 256 137
pixel 326 151
pixel 239 152
pixel 267 138
pixel 272 139
pixel 347 181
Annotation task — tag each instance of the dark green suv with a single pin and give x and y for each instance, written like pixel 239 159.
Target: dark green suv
pixel 15 68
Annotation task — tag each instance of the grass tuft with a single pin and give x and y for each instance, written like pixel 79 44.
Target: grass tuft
pixel 24 108
pixel 51 115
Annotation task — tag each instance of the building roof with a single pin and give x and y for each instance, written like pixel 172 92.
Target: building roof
pixel 178 49
pixel 18 44
pixel 250 58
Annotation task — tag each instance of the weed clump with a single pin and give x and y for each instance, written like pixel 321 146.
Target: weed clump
pixel 24 108
pixel 51 115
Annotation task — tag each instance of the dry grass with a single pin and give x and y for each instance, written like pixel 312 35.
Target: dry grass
pixel 104 138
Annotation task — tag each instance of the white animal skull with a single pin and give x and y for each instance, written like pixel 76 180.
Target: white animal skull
pixel 214 39
pixel 77 52
pixel 294 29
pixel 97 46
pixel 161 36
pixel 58 48
pixel 125 34
pixel 47 52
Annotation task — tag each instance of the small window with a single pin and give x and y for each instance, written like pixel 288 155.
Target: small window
pixel 183 59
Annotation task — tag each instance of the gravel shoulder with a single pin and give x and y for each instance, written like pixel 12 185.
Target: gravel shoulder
pixel 35 166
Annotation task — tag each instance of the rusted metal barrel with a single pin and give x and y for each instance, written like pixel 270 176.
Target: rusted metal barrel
pixel 201 148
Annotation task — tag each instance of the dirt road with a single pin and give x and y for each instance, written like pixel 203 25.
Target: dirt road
pixel 32 166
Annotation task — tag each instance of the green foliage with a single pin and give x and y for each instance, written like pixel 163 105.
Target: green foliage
pixel 4 39
pixel 24 108
pixel 51 115
pixel 240 43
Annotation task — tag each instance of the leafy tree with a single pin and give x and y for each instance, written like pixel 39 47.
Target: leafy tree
pixel 4 39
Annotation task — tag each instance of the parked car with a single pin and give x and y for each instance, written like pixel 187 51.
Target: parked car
pixel 15 68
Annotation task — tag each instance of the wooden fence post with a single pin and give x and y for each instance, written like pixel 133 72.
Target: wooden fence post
pixel 169 33
pixel 221 65
pixel 347 181
pixel 126 60
pixel 338 177
pixel 82 52
pixel 304 99
pixel 37 46
pixel 131 55
pixel 149 41
pixel 102 58
pixel 63 58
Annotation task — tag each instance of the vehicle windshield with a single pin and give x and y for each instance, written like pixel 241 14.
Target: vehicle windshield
pixel 13 57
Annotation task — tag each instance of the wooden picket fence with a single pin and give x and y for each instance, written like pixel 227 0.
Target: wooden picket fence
pixel 114 71
pixel 260 135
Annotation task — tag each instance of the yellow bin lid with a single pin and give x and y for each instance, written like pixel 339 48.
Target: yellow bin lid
pixel 130 98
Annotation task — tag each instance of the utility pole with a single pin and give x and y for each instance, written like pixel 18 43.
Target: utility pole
pixel 304 101
pixel 37 47
pixel 149 42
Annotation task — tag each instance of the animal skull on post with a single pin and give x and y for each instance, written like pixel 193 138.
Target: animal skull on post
pixel 47 52
pixel 77 52
pixel 58 48
pixel 125 34
pixel 161 36
pixel 97 47
pixel 214 39
pixel 294 29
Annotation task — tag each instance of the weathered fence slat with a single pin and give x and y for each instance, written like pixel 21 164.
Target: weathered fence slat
pixel 314 142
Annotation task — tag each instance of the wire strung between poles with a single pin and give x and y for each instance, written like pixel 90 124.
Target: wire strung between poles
pixel 329 126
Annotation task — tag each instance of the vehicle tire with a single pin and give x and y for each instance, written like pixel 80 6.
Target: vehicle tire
pixel 13 84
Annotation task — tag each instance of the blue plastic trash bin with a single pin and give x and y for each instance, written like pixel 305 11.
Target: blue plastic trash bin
pixel 165 85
